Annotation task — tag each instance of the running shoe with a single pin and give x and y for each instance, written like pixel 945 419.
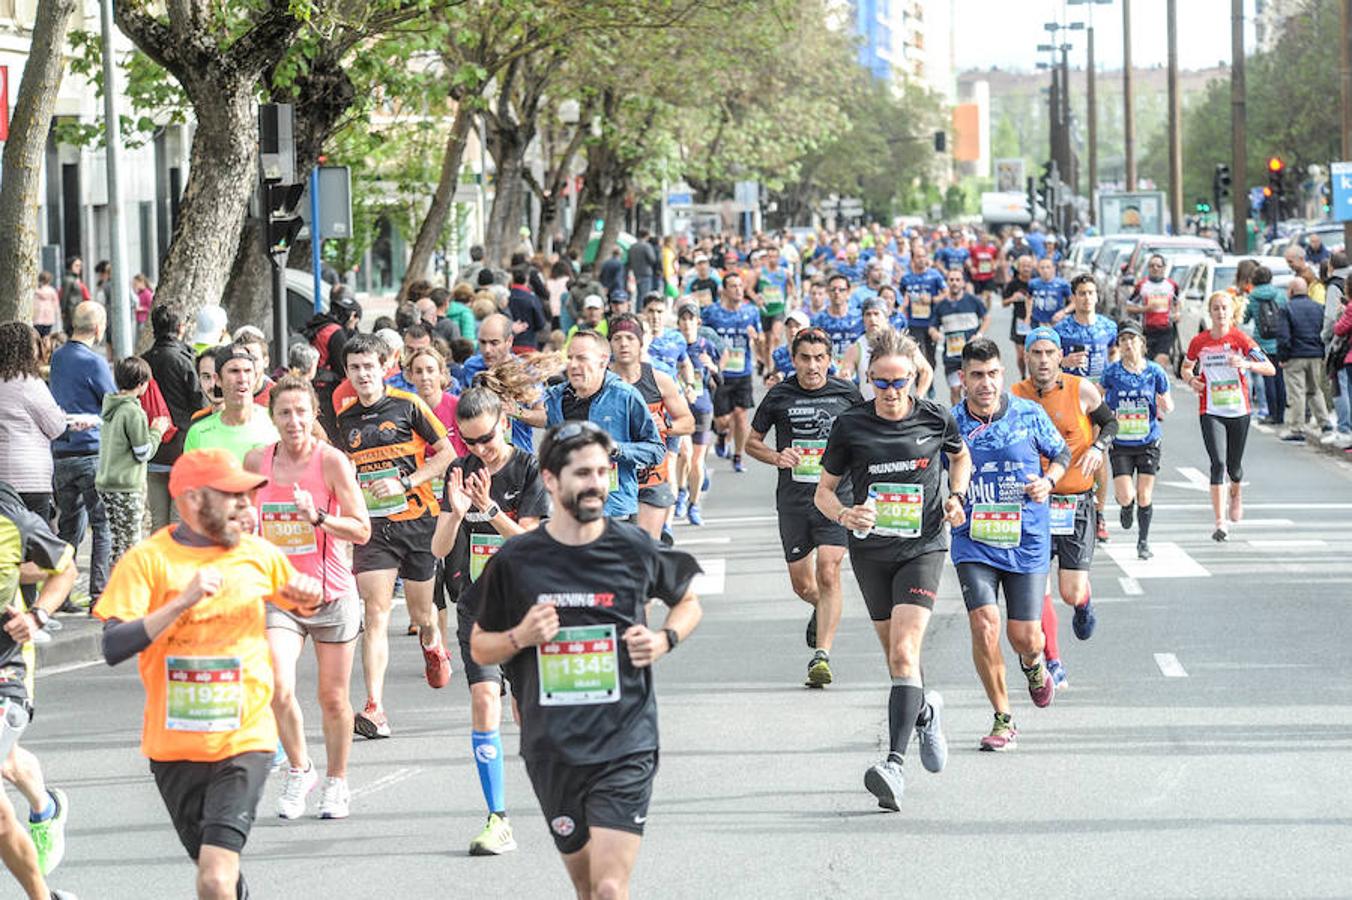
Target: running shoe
pixel 1143 550
pixel 721 446
pixel 811 634
pixel 708 479
pixel 49 836
pixel 1293 437
pixel 886 782
pixel 933 744
pixel 295 788
pixel 694 516
pixel 1058 672
pixel 1003 736
pixel 279 760
pixel 819 670
pixel 1127 516
pixel 336 800
pixel 666 537
pixel 371 722
pixel 1040 686
pixel 737 464
pixel 1219 536
pixel 1084 620
pixel 495 839
pixel 63 895
pixel 682 503
pixel 437 666
pixel 1103 536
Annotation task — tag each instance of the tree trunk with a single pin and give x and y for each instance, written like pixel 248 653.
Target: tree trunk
pixel 614 213
pixel 429 235
pixel 22 160
pixel 505 216
pixel 591 202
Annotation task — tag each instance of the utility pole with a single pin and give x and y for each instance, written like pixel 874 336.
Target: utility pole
pixel 1175 135
pixel 1053 118
pixel 1128 100
pixel 120 320
pixel 1238 153
pixel 1092 98
pixel 1069 166
pixel 1345 72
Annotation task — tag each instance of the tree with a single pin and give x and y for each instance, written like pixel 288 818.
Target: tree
pixel 23 156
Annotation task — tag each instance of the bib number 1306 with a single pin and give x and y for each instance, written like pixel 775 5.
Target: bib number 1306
pixel 579 667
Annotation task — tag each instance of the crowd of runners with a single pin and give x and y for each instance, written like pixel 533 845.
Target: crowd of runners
pixel 518 452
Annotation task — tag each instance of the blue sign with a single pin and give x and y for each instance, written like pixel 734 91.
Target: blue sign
pixel 1340 174
pixel 1256 199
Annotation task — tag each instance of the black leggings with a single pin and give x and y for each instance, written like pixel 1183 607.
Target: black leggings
pixel 1236 430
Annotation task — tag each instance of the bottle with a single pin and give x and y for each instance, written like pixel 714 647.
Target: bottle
pixel 872 504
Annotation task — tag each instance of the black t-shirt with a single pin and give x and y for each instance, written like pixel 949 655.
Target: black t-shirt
pixel 903 462
pixel 805 417
pixel 575 408
pixel 517 488
pixel 1014 286
pixel 609 710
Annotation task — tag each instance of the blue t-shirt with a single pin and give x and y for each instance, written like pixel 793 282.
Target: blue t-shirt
pixel 899 321
pixel 920 290
pixel 952 257
pixel 1049 298
pixel 731 325
pixel 1037 242
pixel 1132 396
pixel 1096 339
pixel 668 347
pixel 854 271
pixel 1004 454
pixel 958 320
pixel 843 330
pixel 700 346
pixel 859 295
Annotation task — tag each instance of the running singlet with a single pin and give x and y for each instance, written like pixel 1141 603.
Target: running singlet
pixel 1227 388
pixel 517 489
pixel 1158 298
pixel 842 330
pixel 920 290
pixel 899 466
pixel 651 476
pixel 1095 339
pixel 958 320
pixel 983 263
pixel 1004 528
pixel 582 700
pixel 313 551
pixel 731 325
pixel 389 439
pixel 1062 405
pixel 24 537
pixel 1132 397
pixel 802 419
pixel 773 291
pixel 1049 298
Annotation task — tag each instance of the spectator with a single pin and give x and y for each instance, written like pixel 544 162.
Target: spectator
pixel 210 383
pixel 329 333
pixel 210 332
pixel 1264 306
pixel 80 378
pixel 557 286
pixel 46 305
pixel 103 282
pixel 1315 251
pixel 128 443
pixel 30 420
pixel 612 271
pixel 302 361
pixel 525 309
pixel 470 274
pixel 176 373
pixel 145 297
pixel 484 305
pixel 73 290
pixel 1300 353
pixel 643 263
pixel 454 317
pixel 1335 306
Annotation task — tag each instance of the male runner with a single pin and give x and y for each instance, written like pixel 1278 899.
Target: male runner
pixel 958 318
pixel 495 346
pixel 1016 294
pixel 738 322
pixel 985 257
pixel 923 286
pixel 563 609
pixel 842 324
pixel 691 475
pixel 189 600
pixel 387 433
pixel 1049 296
pixel 1158 301
pixel 241 424
pixel 801 409
pixel 1004 546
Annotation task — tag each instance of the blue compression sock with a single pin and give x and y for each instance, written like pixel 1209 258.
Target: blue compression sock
pixel 46 813
pixel 488 760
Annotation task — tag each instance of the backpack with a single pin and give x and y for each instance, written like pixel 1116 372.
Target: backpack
pixel 1267 319
pixel 320 341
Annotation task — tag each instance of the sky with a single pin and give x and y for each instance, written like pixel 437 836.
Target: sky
pixel 1005 33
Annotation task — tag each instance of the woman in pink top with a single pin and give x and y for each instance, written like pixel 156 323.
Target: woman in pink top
pixel 145 297
pixel 312 509
pixel 425 369
pixel 46 305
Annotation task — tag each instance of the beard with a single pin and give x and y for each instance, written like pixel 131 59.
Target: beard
pixel 573 503
pixel 219 526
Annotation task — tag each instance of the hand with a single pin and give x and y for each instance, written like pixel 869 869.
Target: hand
pixel 1092 461
pixel 520 327
pixel 954 514
pixel 1079 360
pixel 1038 488
pixel 788 458
pixel 477 488
pixel 645 647
pixel 858 518
pixel 457 496
pixel 1197 383
pixel 1058 316
pixel 161 424
pixel 386 487
pixel 305 593
pixel 539 625
pixel 206 583
pixel 1238 361
pixel 305 503
pixel 21 626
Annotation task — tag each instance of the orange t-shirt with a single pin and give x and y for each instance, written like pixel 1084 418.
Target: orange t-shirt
pixel 1062 404
pixel 208 676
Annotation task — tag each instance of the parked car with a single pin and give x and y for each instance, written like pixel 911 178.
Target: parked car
pixel 1106 266
pixel 1204 278
pixel 1080 256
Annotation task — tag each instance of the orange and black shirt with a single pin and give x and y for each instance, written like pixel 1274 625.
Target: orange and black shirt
pixel 389 439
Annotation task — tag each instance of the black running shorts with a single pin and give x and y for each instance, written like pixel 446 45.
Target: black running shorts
pixel 1142 460
pixel 404 545
pixel 1023 591
pixel 802 531
pixel 734 393
pixel 1075 551
pixel 213 803
pixel 612 794
pixel 886 584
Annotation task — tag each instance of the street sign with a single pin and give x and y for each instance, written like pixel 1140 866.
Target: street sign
pixel 335 203
pixel 1135 212
pixel 1009 175
pixel 851 207
pixel 1341 207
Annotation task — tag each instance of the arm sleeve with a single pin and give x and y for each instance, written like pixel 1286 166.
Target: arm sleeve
pixel 766 414
pixel 123 640
pixel 103 379
pixel 952 440
pixel 1103 417
pixel 140 439
pixel 47 415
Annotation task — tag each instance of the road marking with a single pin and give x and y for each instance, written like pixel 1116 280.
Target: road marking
pixel 712 580
pixel 1169 665
pixel 1194 479
pixel 690 542
pixel 403 773
pixel 1263 523
pixel 1171 561
pixel 68 667
pixel 747 520
pixel 1287 544
pixel 1130 586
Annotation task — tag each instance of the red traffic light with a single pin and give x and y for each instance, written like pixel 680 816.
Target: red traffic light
pixel 1267 192
pixel 1275 164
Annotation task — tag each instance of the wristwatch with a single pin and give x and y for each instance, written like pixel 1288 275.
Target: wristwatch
pixel 41 616
pixel 406 483
pixel 961 495
pixel 492 511
pixel 320 516
pixel 672 638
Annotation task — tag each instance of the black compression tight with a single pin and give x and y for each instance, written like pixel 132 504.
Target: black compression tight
pixel 1235 432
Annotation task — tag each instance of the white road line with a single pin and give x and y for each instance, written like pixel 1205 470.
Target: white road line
pixel 1287 544
pixel 748 520
pixel 713 578
pixel 68 667
pixel 389 780
pixel 1171 561
pixel 1130 586
pixel 690 542
pixel 1195 477
pixel 1169 665
pixel 1262 523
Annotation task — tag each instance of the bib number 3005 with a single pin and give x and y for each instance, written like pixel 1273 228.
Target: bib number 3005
pixel 579 667
pixel 203 693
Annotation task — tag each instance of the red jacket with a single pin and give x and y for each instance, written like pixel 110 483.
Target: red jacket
pixel 1343 326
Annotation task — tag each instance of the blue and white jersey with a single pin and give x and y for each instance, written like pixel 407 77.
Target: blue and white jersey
pixel 1096 339
pixel 731 325
pixel 669 347
pixel 1049 298
pixel 921 291
pixel 1132 396
pixel 843 330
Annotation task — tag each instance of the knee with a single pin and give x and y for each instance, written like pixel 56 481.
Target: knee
pixel 1236 474
pixel 985 628
pixel 334 702
pixel 903 659
pixel 608 889
pixel 283 695
pixel 486 708
pixel 215 881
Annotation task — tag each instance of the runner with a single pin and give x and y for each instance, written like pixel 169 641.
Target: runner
pixel 1137 391
pixel 387 433
pixel 1087 425
pixel 26 538
pixel 892 449
pixel 1049 296
pixel 1016 294
pixel 782 359
pixel 492 494
pixel 738 323
pixel 189 600
pixel 985 257
pixel 922 287
pixel 582 583
pixel 312 510
pixel 801 410
pixel 1216 367
pixel 959 318
pixel 778 291
pixel 1158 300
pixel 241 424
pixel 1004 547
pixel 843 325
pixel 691 475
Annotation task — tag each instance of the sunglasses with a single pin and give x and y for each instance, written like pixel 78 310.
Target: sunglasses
pixel 576 429
pixel 882 384
pixel 481 440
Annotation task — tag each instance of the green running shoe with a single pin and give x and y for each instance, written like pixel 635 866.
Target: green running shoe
pixel 50 836
pixel 495 839
pixel 819 670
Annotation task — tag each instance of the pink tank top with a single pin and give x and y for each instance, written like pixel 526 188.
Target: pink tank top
pixel 311 550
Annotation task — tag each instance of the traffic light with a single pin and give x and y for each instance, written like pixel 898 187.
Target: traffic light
pixel 1222 181
pixel 283 216
pixel 1047 184
pixel 1274 190
pixel 1202 206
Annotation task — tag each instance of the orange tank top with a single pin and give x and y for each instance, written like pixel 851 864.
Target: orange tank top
pixel 1062 404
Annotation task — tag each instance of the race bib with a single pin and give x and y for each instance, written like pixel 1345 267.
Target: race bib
pixel 954 342
pixel 482 548
pixel 287 530
pixel 920 306
pixel 985 266
pixel 203 693
pixel 1133 421
pixel 1022 327
pixel 380 507
pixel 580 666
pixel 697 389
pixel 809 468
pixel 1224 396
pixel 773 297
pixel 614 476
pixel 900 509
pixel 736 359
pixel 997 525
pixel 1063 514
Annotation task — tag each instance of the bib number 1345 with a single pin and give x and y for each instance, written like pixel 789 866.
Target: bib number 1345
pixel 580 666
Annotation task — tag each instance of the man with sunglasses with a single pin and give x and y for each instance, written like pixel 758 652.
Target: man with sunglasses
pixel 563 609
pixel 842 324
pixel 801 409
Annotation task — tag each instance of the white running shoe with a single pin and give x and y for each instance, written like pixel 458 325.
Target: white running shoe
pixel 295 788
pixel 336 800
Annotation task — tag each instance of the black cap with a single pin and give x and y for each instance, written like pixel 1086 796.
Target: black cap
pixel 1131 326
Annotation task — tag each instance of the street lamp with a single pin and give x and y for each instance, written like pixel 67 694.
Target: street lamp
pixel 1092 103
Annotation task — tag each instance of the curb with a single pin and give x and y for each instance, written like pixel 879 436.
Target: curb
pixel 80 640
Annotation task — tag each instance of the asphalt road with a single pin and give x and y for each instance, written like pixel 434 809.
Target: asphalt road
pixel 1201 750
